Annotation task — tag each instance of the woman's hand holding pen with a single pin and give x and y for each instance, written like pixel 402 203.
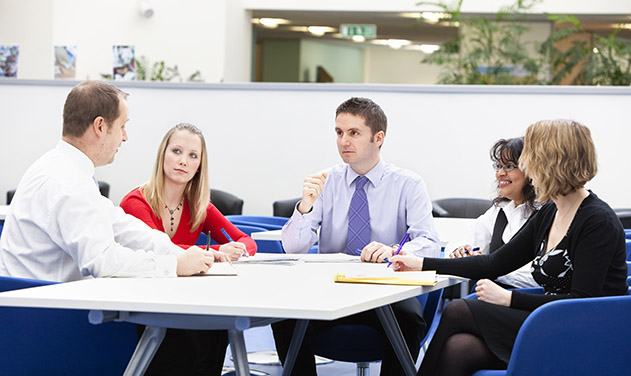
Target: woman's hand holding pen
pixel 488 291
pixel 465 251
pixel 233 250
pixel 406 263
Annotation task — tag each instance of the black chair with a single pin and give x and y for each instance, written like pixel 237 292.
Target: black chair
pixel 285 208
pixel 460 207
pixel 104 188
pixel 625 217
pixel 227 203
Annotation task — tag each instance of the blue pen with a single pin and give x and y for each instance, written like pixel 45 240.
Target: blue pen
pixel 405 239
pixel 226 235
pixel 473 250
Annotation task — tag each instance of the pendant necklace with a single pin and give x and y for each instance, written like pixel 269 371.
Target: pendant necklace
pixel 171 211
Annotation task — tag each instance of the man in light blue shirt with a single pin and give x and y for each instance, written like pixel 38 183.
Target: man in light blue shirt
pixel 398 204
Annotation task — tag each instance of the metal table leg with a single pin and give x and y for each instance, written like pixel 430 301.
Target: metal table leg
pixel 294 346
pixel 239 354
pixel 393 332
pixel 145 350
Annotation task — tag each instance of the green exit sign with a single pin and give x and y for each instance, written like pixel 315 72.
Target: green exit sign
pixel 366 31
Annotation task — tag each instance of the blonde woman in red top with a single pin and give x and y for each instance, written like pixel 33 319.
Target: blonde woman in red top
pixel 176 200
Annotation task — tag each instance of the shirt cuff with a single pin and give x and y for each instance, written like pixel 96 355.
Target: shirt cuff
pixel 166 266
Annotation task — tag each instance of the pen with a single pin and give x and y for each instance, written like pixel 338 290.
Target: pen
pixel 405 239
pixel 473 250
pixel 208 242
pixel 225 233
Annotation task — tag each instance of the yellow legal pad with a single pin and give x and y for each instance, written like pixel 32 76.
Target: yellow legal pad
pixel 424 278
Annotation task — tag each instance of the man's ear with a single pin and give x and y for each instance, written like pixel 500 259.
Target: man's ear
pixel 378 137
pixel 99 126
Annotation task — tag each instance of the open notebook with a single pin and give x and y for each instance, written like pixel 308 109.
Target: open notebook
pixel 220 268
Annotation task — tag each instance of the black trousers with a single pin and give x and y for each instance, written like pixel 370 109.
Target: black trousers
pixel 409 315
pixel 189 352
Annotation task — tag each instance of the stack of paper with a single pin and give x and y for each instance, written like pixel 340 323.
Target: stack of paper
pixel 388 277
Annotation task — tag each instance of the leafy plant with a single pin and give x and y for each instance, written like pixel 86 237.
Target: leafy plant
pixel 158 71
pixel 486 51
pixel 596 60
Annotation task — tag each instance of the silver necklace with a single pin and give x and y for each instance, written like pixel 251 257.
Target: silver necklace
pixel 171 211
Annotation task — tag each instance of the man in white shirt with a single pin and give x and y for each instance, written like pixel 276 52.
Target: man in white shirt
pixel 60 228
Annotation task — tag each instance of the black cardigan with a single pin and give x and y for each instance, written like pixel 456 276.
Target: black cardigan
pixel 595 243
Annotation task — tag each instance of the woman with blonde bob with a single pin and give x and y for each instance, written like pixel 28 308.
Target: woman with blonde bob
pixel 176 200
pixel 575 243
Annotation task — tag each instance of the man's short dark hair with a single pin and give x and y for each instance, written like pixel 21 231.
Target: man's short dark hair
pixel 373 115
pixel 86 102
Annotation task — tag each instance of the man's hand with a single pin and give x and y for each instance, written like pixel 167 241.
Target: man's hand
pixel 406 263
pixel 464 251
pixel 488 291
pixel 233 250
pixel 376 252
pixel 311 189
pixel 194 260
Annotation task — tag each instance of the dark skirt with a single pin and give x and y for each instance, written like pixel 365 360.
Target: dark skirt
pixel 499 325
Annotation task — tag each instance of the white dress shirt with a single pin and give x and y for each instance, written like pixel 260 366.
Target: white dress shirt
pixel 60 228
pixel 482 230
pixel 398 203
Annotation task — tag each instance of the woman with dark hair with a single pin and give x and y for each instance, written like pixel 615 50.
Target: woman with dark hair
pixel 575 243
pixel 511 209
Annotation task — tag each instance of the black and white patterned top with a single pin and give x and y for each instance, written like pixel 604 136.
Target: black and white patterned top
pixel 553 270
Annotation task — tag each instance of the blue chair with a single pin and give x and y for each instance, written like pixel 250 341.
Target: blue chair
pixel 264 246
pixel 362 344
pixel 38 341
pixel 588 336
pixel 270 223
pixel 627 233
pixel 628 245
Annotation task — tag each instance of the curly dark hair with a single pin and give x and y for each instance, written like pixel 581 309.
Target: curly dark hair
pixel 508 151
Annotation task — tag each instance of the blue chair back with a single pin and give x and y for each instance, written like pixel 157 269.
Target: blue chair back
pixel 264 246
pixel 627 233
pixel 587 336
pixel 37 341
pixel 628 245
pixel 269 223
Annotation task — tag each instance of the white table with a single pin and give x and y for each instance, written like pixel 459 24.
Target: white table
pixel 260 294
pixel 4 209
pixel 448 229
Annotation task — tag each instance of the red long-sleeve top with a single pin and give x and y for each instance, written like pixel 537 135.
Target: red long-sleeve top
pixel 135 204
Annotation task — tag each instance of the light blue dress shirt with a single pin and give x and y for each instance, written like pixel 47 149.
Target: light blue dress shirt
pixel 398 202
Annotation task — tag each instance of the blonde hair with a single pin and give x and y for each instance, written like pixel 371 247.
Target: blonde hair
pixel 559 155
pixel 197 191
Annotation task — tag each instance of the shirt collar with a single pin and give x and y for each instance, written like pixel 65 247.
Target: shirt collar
pixel 374 175
pixel 84 163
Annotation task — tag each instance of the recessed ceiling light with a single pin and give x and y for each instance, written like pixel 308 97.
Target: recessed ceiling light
pixel 397 43
pixel 358 38
pixel 272 23
pixel 320 30
pixel 429 48
pixel 434 17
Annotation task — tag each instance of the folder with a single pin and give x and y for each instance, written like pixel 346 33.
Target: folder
pixel 424 278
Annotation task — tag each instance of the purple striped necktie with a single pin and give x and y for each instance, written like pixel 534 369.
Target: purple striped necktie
pixel 358 218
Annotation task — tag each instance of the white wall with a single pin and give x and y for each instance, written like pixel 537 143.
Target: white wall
pixel 264 138
pixel 188 33
pixel 28 24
